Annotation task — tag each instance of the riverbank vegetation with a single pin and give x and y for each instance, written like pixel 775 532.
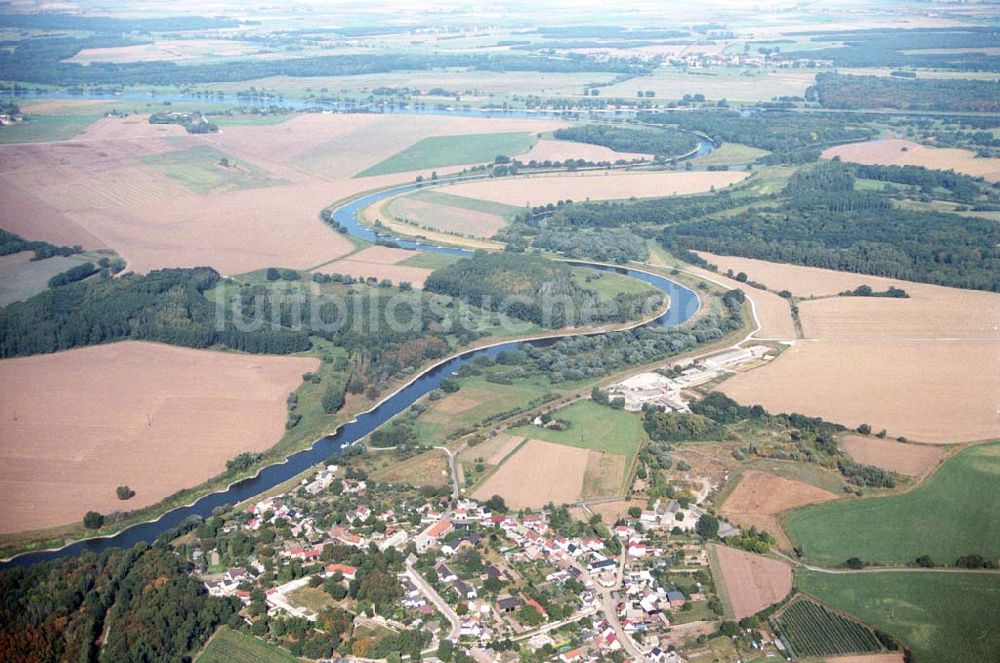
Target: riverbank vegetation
pixel 664 143
pixel 534 289
pixel 852 92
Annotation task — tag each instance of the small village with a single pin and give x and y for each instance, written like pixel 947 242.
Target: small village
pixel 456 579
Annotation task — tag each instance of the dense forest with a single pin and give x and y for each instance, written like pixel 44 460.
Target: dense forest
pixel 573 218
pixel 142 598
pixel 12 243
pixel 114 25
pixel 663 143
pixel 850 92
pixel 531 288
pixel 613 245
pixel 167 305
pixel 887 47
pixel 785 133
pixel 587 357
pixel 821 221
pixel 41 60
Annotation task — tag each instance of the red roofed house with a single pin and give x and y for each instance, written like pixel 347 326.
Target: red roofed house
pixel 439 529
pixel 348 572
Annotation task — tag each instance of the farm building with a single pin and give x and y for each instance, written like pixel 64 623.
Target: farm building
pixel 649 388
pixel 738 356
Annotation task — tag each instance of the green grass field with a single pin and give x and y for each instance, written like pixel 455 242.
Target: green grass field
pixel 953 513
pixel 441 151
pixel 477 400
pixel 940 616
pixel 199 169
pixel 230 646
pixel 730 154
pixel 609 284
pixel 42 128
pixel 593 426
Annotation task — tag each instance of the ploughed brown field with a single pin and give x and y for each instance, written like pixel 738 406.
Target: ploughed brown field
pixel 97 191
pixel 926 367
pixel 157 418
pixel 539 473
pixel 760 496
pixel 909 459
pixel 598 185
pixel 752 582
pixel 899 152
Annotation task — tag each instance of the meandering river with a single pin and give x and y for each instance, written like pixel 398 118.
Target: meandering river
pixel 684 303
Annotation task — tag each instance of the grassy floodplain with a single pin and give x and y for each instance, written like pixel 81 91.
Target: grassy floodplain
pixel 201 169
pixel 940 616
pixel 953 513
pixel 592 426
pixel 442 151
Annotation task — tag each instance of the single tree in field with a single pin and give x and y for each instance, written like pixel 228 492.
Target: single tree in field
pixel 93 520
pixel 124 492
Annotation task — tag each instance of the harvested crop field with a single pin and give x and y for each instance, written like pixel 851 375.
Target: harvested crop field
pixel 930 312
pixel 752 582
pixel 380 262
pixel 539 473
pixel 928 391
pixel 773 312
pixel 560 150
pixel 923 367
pixel 799 280
pixel 605 475
pixel 904 458
pixel 495 449
pixel 603 185
pixel 445 218
pixel 760 496
pixel 154 417
pixel 427 469
pixel 342 145
pixel 899 152
pixel 95 190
